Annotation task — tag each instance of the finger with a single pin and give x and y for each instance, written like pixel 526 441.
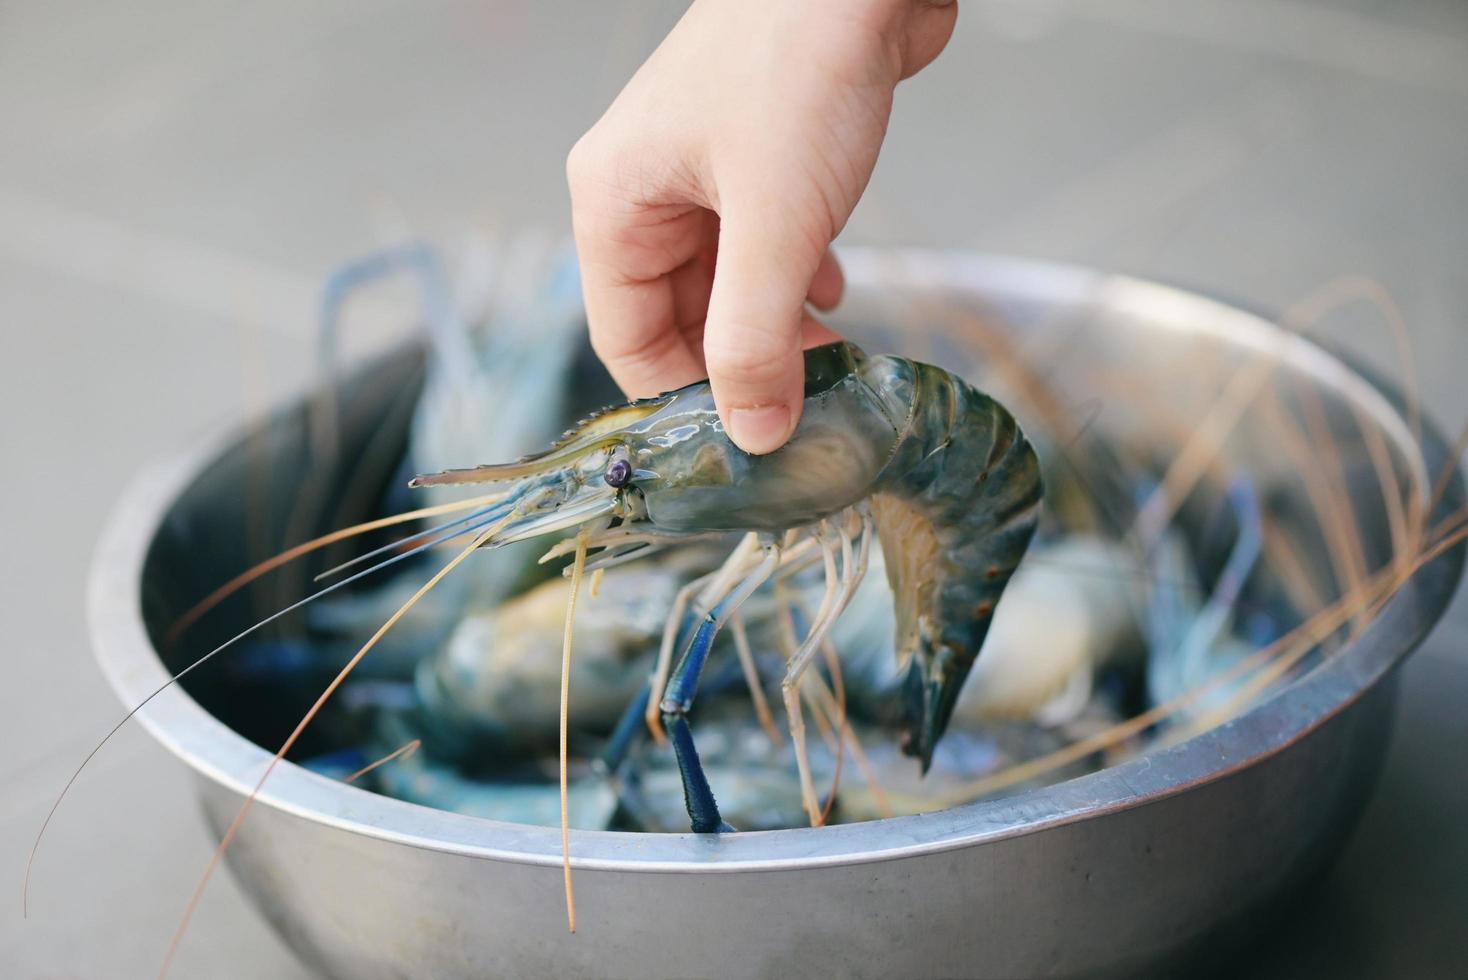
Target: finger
pixel 828 285
pixel 631 318
pixel 693 282
pixel 644 357
pixel 753 336
pixel 928 31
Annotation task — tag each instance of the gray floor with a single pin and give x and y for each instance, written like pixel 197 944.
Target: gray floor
pixel 176 178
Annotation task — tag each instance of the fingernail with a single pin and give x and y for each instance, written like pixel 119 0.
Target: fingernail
pixel 761 429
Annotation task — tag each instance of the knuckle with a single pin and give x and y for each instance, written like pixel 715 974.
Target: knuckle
pixel 745 362
pixel 641 366
pixel 581 164
pixel 611 344
pixel 626 349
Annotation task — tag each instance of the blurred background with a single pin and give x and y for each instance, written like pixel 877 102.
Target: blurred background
pixel 176 179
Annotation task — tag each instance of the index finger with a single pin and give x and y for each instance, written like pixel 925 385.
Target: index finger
pixel 626 252
pixel 634 334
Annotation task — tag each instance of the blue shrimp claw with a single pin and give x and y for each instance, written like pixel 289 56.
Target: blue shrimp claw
pixel 703 810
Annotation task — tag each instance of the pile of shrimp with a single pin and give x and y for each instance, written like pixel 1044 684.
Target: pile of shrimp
pixel 1158 591
pixel 1161 597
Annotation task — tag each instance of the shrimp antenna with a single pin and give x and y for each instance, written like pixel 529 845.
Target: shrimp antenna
pixel 401 542
pixel 485 514
pixel 480 539
pixel 577 567
pixel 200 608
pixel 401 752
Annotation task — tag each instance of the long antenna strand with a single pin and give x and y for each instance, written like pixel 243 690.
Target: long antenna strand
pixel 234 827
pixel 578 566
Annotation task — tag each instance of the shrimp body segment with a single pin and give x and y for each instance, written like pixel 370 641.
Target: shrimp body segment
pixel 955 509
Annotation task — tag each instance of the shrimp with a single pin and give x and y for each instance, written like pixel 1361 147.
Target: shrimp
pixel 492 686
pixel 753 781
pixel 939 472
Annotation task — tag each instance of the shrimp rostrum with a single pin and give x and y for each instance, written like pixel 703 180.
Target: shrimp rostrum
pixel 939 472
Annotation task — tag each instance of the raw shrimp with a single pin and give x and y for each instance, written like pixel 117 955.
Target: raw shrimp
pixel 886 446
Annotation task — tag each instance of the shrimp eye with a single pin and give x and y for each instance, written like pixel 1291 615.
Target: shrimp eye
pixel 619 471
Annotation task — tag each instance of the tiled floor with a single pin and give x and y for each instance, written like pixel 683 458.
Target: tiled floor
pixel 176 178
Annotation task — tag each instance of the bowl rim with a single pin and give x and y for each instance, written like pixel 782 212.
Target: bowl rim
pixel 122 646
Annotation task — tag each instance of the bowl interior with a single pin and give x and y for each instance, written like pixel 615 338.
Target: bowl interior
pixel 1088 363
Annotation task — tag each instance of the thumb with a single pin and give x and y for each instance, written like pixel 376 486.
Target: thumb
pixel 752 342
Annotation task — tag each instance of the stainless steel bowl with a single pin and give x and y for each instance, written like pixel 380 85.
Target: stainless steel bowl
pixel 1136 868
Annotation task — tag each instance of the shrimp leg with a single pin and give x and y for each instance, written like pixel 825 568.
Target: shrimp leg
pixel 677 700
pixel 839 590
pixel 628 727
pixel 712 585
pixel 751 678
pixel 703 809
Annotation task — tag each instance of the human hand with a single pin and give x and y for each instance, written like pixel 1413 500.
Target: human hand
pixel 705 200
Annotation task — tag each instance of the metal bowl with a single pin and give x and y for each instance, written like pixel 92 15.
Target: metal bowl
pixel 1135 868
